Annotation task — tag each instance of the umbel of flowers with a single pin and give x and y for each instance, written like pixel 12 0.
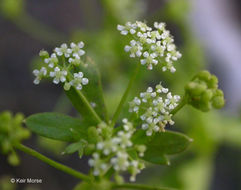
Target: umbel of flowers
pixel 152 46
pixel 62 66
pixel 153 107
pixel 111 151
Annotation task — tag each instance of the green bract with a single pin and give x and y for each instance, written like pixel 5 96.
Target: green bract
pixel 11 133
pixel 202 92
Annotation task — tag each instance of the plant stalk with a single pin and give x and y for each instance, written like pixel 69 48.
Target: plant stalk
pixel 182 103
pixel 52 163
pixel 138 186
pixel 90 108
pixel 125 95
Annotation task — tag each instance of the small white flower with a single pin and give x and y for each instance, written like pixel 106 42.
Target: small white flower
pixel 149 59
pixel 63 50
pixel 143 27
pixel 160 26
pixel 52 60
pixel 79 80
pixel 93 104
pixel 75 61
pixel 125 139
pixel 77 49
pixel 58 75
pixel 39 74
pixel 134 48
pixel 129 27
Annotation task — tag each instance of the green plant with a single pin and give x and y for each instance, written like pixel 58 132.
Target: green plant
pixel 115 146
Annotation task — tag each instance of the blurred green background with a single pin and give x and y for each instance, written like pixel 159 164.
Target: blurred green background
pixel 213 162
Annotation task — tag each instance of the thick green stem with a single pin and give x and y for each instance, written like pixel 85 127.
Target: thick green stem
pixel 125 95
pixel 90 108
pixel 52 163
pixel 137 186
pixel 182 103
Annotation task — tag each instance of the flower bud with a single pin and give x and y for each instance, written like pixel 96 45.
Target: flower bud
pixel 218 100
pixel 13 159
pixel 93 136
pixel 203 92
pixel 11 132
pixel 43 54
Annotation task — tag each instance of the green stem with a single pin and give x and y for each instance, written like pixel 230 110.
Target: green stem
pixel 137 186
pixel 125 95
pixel 52 163
pixel 90 108
pixel 182 103
pixel 39 30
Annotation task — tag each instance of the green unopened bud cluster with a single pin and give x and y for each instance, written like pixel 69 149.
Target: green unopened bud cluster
pixel 11 132
pixel 202 92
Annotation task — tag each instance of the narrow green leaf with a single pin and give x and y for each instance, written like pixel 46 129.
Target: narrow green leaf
pixel 81 151
pixel 161 144
pixel 57 126
pixel 74 147
pixel 93 93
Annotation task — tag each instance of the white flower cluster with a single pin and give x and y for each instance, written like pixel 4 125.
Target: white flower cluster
pixel 154 107
pixel 152 46
pixel 61 66
pixel 113 152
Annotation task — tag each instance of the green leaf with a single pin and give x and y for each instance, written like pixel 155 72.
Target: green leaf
pixel 156 158
pixel 93 93
pixel 57 126
pixel 81 151
pixel 161 144
pixel 74 147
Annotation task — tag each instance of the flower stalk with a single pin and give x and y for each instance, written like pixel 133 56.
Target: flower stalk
pixel 125 96
pixel 90 108
pixel 181 104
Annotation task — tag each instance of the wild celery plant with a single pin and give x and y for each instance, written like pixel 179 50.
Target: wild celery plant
pixel 116 145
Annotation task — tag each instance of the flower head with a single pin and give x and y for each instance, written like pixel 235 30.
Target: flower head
pixel 62 66
pixel 153 107
pixel 152 46
pixel 112 151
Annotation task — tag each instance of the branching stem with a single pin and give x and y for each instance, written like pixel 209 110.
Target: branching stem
pixel 52 163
